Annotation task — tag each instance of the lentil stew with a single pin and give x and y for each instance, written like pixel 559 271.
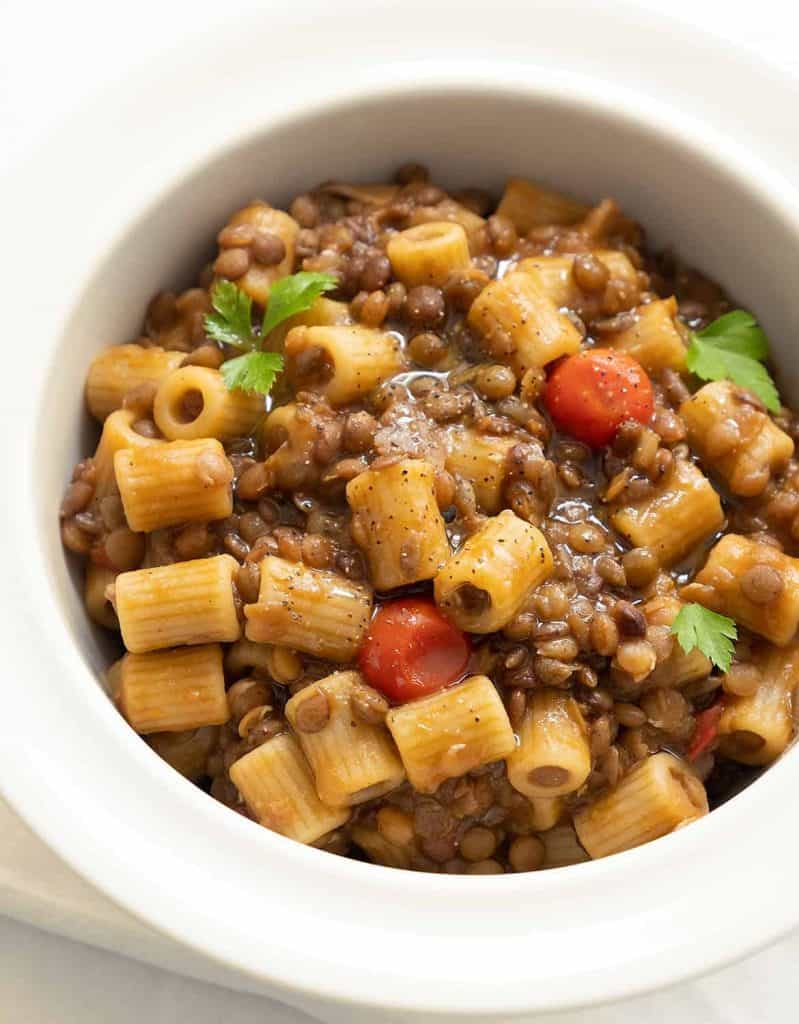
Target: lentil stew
pixel 419 605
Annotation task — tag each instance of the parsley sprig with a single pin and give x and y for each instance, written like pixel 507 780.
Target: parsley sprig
pixel 230 323
pixel 714 635
pixel 734 348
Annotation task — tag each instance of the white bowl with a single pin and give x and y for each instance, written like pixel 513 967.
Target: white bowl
pixel 127 200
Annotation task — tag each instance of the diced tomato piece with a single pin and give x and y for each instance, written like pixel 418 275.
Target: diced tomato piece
pixel 590 394
pixel 706 731
pixel 412 650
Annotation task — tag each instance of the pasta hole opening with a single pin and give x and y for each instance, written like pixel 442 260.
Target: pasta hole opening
pixel 549 776
pixel 189 406
pixel 745 741
pixel 472 601
pixel 313 368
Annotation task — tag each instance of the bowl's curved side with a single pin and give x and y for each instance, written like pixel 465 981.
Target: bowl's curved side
pixel 329 929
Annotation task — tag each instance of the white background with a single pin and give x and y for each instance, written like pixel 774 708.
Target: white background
pixel 53 55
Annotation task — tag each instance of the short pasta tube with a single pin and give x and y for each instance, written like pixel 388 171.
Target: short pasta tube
pixel 483 461
pixel 178 482
pixel 323 313
pixel 276 783
pixel 121 368
pixel 100 609
pixel 118 433
pixel 455 213
pixel 562 847
pixel 553 757
pixel 194 402
pixel 655 797
pixel 529 206
pixel 172 605
pixel 484 585
pixel 656 338
pixel 340 362
pixel 735 438
pixel 397 523
pixel 555 278
pixel 519 322
pixel 757 728
pixel 678 669
pixel 352 761
pixel 428 253
pixel 261 218
pixel 451 732
pixel 723 585
pixel 171 691
pixel 683 510
pixel 311 610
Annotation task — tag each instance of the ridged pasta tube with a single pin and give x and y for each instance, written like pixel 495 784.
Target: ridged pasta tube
pixel 757 728
pixel 679 668
pixel 656 338
pixel 658 794
pixel 323 313
pixel 555 277
pixel 456 213
pixel 428 253
pixel 529 205
pixel 483 461
pixel 397 523
pixel 98 606
pixel 194 402
pixel 553 757
pixel 718 587
pixel 683 510
pixel 258 280
pixel 312 610
pixel 352 761
pixel 484 585
pixel 340 362
pixel 121 368
pixel 170 691
pixel 516 311
pixel 276 783
pixel 379 850
pixel 118 433
pixel 451 732
pixel 756 450
pixel 562 847
pixel 172 605
pixel 179 482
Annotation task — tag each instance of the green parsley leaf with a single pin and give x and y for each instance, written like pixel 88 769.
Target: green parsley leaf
pixel 254 371
pixel 732 348
pixel 294 294
pixel 698 627
pixel 231 321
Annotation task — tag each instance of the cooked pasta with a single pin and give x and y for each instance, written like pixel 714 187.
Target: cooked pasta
pixel 484 585
pixel 118 370
pixel 311 610
pixel 179 482
pixel 352 760
pixel 397 523
pixel 193 402
pixel 171 605
pixel 175 690
pixel 457 568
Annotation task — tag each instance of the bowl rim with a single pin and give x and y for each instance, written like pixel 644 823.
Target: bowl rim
pixel 23 775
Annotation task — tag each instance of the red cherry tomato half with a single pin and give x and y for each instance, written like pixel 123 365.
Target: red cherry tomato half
pixel 411 649
pixel 590 394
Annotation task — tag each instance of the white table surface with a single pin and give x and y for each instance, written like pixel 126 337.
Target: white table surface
pixel 53 56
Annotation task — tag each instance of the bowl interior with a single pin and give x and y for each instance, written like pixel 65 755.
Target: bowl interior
pixel 696 193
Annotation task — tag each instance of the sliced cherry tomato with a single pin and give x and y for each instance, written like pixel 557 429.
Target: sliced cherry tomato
pixel 411 649
pixel 590 394
pixel 706 730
